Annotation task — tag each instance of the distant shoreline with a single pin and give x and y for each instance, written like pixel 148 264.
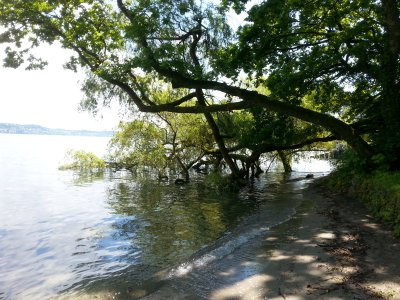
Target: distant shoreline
pixel 11 128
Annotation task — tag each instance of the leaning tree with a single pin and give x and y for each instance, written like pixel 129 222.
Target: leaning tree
pixel 333 65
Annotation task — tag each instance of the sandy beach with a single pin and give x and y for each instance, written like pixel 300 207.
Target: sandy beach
pixel 331 249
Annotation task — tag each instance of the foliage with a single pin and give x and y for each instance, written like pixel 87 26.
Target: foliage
pixel 223 182
pixel 164 141
pixel 349 163
pixel 217 181
pixel 380 191
pixel 335 66
pixel 84 161
pixel 333 55
pixel 138 143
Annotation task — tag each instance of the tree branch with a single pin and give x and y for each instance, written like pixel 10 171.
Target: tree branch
pixel 265 148
pixel 252 98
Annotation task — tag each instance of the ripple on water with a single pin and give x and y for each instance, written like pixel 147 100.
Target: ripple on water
pixel 113 233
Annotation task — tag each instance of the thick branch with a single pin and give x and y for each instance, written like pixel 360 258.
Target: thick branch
pixel 252 98
pixel 164 107
pixel 269 148
pixel 265 148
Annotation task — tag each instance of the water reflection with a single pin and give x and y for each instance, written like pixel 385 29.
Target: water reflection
pixel 80 232
pixel 154 226
pixel 167 222
pixel 80 178
pixel 83 233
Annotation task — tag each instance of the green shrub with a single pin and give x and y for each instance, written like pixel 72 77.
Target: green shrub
pixel 217 181
pixel 84 161
pixel 222 182
pixel 380 191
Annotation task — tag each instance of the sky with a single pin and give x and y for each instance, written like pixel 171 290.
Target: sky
pixel 48 97
pixel 51 97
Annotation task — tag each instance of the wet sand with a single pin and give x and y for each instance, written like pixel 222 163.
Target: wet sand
pixel 331 249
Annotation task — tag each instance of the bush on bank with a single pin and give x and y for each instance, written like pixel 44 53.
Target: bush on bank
pixel 380 191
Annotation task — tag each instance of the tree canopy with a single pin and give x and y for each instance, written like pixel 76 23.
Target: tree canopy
pixel 334 66
pixel 164 142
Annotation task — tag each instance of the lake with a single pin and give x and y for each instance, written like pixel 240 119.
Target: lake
pixel 67 234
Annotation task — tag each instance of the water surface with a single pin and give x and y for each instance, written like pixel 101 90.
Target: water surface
pixel 68 233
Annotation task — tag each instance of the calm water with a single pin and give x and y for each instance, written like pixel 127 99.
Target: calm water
pixel 67 233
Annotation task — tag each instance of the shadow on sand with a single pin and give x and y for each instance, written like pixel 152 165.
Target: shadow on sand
pixel 330 249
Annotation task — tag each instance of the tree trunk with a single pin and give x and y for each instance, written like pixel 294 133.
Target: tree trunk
pixel 390 83
pixel 217 136
pixel 185 170
pixel 285 159
pixel 258 170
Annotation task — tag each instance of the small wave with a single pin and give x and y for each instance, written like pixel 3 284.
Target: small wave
pixel 259 226
pixel 222 251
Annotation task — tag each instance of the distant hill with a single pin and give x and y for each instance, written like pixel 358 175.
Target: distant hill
pixel 36 129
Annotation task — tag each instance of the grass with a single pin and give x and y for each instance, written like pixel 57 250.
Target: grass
pixel 380 191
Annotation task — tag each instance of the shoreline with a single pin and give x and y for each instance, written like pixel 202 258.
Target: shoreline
pixel 330 249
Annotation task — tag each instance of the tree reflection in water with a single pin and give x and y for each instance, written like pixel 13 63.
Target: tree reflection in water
pixel 172 222
pixel 157 225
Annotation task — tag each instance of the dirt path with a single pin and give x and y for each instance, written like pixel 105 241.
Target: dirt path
pixel 366 255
